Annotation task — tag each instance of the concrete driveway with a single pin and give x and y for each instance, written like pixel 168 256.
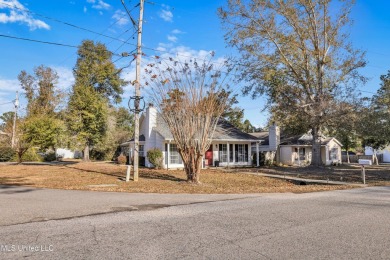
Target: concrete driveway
pixel 348 224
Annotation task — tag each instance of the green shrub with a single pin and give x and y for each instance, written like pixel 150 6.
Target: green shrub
pixel 121 159
pixel 30 155
pixel 6 154
pixel 50 156
pixel 155 157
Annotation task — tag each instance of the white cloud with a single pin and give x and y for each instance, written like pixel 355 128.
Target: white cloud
pixel 19 13
pixel 9 85
pixel 166 15
pixel 100 5
pixel 176 31
pixel 172 38
pixel 65 77
pixel 85 9
pixel 120 17
pixel 8 88
pixel 91 1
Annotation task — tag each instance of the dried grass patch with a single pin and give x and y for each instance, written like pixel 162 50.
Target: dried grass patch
pixel 76 175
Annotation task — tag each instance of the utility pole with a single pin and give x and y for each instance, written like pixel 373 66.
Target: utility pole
pixel 137 91
pixel 16 105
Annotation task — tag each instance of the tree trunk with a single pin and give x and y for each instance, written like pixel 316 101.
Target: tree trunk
pixel 86 153
pixel 20 154
pixel 316 148
pixel 348 157
pixel 192 166
pixel 375 159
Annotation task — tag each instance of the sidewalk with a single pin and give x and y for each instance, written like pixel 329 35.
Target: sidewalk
pixel 304 181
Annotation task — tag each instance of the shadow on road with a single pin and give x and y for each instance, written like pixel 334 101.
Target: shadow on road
pixel 14 189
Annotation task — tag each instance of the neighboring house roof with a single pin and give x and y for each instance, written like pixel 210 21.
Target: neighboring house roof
pixel 224 131
pixel 141 139
pixel 306 139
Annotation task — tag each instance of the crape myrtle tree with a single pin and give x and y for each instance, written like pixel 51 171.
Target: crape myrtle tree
pixel 296 52
pixel 189 97
pixel 97 85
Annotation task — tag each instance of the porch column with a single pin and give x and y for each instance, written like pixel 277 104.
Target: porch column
pixel 168 153
pixel 326 154
pixel 234 153
pixel 257 154
pixel 228 154
pixel 299 157
pixel 249 153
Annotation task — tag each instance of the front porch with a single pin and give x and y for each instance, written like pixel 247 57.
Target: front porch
pixel 219 154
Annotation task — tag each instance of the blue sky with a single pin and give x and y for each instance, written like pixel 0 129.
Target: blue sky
pixel 184 28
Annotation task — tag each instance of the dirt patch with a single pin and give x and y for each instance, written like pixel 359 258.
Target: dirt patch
pixel 77 175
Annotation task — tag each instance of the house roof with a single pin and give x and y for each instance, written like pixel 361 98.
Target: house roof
pixel 141 139
pixel 224 131
pixel 306 139
pixel 264 136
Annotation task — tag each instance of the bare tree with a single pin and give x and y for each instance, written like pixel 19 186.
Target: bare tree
pixel 296 52
pixel 188 97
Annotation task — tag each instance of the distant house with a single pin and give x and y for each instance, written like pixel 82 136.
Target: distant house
pixel 230 146
pixel 385 152
pixel 296 150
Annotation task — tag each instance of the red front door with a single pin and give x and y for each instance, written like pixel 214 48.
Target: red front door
pixel 209 156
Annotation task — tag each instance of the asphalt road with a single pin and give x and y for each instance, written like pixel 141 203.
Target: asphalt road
pixel 349 224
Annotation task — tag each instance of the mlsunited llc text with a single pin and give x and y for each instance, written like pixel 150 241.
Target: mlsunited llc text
pixel 26 248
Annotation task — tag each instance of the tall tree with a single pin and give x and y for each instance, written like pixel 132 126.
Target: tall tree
pixel 187 95
pixel 120 128
pixel 94 68
pixel 297 53
pixel 42 127
pixel 97 84
pixel 41 92
pixel 374 125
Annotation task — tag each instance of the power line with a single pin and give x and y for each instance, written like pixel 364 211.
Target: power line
pixel 51 43
pixel 97 33
pixel 6 103
pixel 66 23
pixel 39 41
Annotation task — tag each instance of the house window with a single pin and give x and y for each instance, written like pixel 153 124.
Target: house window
pixel 333 154
pixel 301 154
pixel 174 156
pixel 231 152
pixel 141 152
pixel 241 152
pixel 223 155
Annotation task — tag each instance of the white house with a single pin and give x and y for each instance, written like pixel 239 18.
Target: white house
pixel 297 150
pixel 230 146
pixel 385 152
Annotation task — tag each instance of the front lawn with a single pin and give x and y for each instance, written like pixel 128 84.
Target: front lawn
pixel 76 175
